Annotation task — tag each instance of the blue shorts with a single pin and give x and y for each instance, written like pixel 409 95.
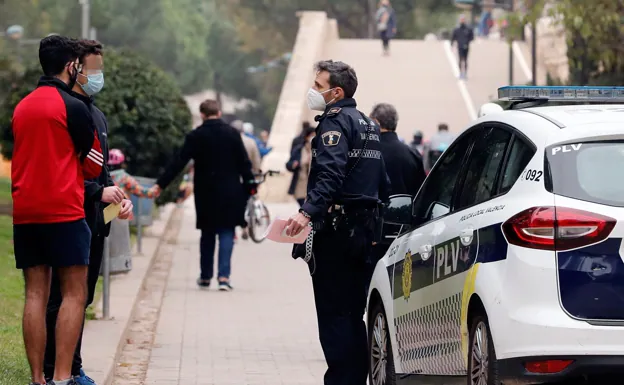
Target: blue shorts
pixel 52 244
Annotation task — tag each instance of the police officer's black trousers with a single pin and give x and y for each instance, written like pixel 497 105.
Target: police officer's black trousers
pixel 54 304
pixel 340 284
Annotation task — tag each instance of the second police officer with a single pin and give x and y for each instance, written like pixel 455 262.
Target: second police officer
pixel 346 186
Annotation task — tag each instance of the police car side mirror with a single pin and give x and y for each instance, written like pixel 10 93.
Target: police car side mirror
pixel 399 210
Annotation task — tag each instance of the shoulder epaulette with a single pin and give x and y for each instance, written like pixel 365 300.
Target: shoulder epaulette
pixel 334 111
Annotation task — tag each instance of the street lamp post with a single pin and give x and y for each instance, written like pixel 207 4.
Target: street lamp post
pixel 534 51
pixel 511 54
pixel 86 22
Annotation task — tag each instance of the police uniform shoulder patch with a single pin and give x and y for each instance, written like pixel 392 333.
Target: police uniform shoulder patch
pixel 333 111
pixel 331 138
pixel 407 275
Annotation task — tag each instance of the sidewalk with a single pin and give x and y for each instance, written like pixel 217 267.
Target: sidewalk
pixel 263 332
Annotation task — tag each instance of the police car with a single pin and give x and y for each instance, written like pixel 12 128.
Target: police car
pixel 509 266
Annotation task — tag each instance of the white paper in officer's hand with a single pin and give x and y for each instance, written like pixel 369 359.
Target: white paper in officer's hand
pixel 277 232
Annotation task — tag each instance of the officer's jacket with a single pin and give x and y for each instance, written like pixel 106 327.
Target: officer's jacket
pixel 339 142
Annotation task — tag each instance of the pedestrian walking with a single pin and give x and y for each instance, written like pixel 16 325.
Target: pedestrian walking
pixel 463 35
pixel 221 163
pixel 99 193
pixel 417 143
pixel 300 138
pixel 437 145
pixel 253 152
pixel 299 164
pixel 386 24
pixel 347 183
pixel 56 148
pixel 248 128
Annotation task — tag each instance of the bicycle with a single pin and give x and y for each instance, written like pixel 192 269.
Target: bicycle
pixel 257 214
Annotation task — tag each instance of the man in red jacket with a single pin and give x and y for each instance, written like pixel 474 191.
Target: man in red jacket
pixel 56 147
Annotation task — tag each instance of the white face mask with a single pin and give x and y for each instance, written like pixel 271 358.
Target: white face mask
pixel 316 101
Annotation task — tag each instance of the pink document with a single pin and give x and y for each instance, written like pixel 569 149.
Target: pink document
pixel 277 232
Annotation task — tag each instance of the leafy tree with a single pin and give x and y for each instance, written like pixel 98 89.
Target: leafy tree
pixel 594 32
pixel 147 115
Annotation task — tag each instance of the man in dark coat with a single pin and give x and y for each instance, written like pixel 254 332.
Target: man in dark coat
pixel 223 181
pixel 404 166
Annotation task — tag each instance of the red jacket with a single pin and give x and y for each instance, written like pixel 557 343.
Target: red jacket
pixel 55 149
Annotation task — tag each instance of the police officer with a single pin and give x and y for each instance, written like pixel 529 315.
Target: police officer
pixel 347 183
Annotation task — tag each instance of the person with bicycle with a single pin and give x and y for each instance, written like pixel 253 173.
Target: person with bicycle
pixel 223 182
pixel 346 186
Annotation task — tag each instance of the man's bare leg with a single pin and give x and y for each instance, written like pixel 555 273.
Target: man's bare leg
pixel 70 318
pixel 37 281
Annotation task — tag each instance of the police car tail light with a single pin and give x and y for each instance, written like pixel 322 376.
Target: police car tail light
pixel 547 367
pixel 557 228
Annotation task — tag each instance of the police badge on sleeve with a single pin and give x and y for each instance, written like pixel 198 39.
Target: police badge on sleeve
pixel 331 138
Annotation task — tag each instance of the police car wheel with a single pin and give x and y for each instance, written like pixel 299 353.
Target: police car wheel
pixel 482 362
pixel 380 348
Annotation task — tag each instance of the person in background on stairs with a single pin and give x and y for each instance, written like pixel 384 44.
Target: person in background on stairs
pixel 463 35
pixel 386 24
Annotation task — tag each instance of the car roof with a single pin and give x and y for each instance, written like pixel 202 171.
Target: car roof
pixel 573 115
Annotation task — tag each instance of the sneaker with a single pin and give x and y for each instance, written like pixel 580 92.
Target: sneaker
pixel 225 286
pixel 83 379
pixel 70 381
pixel 202 283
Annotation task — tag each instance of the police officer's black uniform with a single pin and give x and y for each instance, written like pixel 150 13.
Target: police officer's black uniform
pixel 347 183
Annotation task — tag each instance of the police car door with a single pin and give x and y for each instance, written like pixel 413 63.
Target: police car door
pixel 415 309
pixel 457 244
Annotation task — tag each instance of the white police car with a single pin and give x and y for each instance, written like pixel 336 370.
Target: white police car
pixel 509 266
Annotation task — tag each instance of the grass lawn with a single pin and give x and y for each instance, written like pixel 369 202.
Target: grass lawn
pixel 5 191
pixel 13 364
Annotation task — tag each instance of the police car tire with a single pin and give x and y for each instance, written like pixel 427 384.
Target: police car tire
pixel 376 310
pixel 481 320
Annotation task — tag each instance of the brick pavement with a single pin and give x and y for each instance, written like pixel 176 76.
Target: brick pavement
pixel 263 332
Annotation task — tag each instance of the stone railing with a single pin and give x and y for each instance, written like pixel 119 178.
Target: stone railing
pixel 316 30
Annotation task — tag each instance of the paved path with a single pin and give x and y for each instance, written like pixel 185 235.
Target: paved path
pixel 263 332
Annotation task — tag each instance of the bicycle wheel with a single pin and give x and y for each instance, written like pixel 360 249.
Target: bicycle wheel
pixel 259 220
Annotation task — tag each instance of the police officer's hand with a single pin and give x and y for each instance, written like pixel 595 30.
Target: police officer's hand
pixel 296 224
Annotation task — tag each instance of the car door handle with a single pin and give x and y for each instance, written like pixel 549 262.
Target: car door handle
pixel 466 236
pixel 425 252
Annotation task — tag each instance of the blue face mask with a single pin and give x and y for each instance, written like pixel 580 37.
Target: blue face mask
pixel 95 83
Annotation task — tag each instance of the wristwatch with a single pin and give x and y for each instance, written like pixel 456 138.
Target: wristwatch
pixel 305 214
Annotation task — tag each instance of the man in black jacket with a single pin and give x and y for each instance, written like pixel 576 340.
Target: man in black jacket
pixel 463 35
pixel 98 194
pixel 221 163
pixel 404 166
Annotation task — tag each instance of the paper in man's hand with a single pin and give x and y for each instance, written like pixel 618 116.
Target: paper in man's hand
pixel 111 212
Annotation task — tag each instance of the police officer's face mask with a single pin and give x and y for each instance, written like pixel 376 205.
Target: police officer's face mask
pixel 316 101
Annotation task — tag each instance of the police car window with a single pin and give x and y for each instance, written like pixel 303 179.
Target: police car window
pixel 588 171
pixel 483 166
pixel 434 198
pixel 519 156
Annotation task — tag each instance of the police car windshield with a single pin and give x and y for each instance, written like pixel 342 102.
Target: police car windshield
pixel 590 171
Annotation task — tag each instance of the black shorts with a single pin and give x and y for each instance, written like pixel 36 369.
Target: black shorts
pixel 52 244
pixel 463 53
